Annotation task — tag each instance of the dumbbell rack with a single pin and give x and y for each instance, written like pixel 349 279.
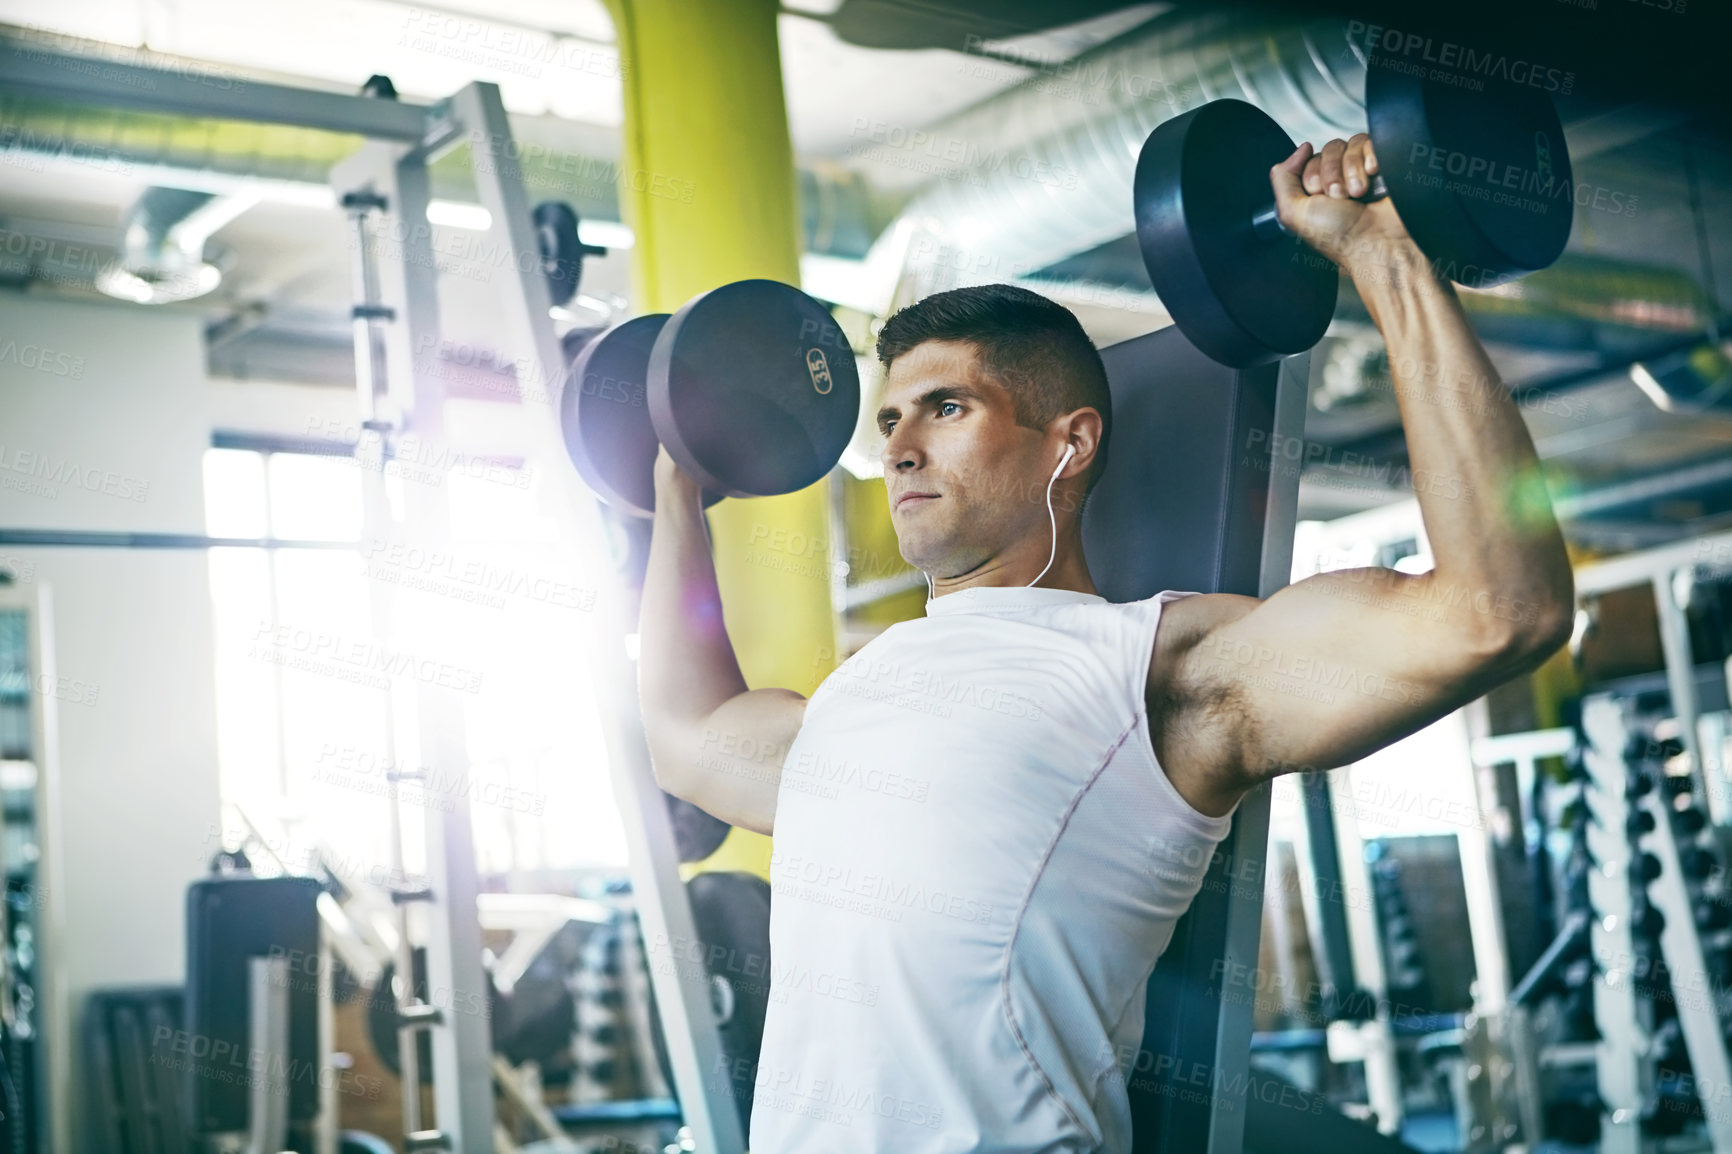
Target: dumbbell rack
pixel 385 185
pixel 1638 849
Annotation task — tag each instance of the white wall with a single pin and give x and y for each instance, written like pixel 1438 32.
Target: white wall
pixel 111 404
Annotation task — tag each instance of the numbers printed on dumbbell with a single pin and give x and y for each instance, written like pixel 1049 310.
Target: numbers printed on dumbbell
pixel 821 380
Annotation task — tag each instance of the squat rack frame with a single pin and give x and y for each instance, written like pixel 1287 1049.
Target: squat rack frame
pixel 398 394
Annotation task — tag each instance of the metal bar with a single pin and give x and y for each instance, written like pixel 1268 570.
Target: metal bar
pixel 1249 840
pixel 55 1091
pixel 664 910
pixel 1284 943
pixel 1624 1030
pixel 1519 747
pixel 268 1045
pixel 272 443
pixel 1567 945
pixel 1697 475
pixel 196 89
pixel 325 1123
pixel 1372 1043
pixel 321 447
pixel 1636 568
pixel 1390 440
pixel 1680 673
pixel 1320 868
pixel 374 165
pixel 463 1046
pixel 1484 899
pixel 1508 1027
pixel 413 402
pixel 98 539
pixel 1711 735
pixel 365 317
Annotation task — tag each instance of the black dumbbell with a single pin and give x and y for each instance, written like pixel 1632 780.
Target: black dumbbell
pixel 1711 915
pixel 752 387
pixel 1647 923
pixel 1690 821
pixel 1574 1118
pixel 560 249
pixel 1670 1106
pixel 1577 1010
pixel 1697 862
pixel 1644 868
pixel 1246 293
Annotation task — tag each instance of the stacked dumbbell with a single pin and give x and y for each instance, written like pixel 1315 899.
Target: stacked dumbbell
pixel 1672 1101
pixel 1405 976
pixel 601 1071
pixel 1575 980
pixel 1704 877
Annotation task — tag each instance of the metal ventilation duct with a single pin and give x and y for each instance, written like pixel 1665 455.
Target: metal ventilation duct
pixel 1049 165
pixel 569 162
pixel 998 192
pixel 162 242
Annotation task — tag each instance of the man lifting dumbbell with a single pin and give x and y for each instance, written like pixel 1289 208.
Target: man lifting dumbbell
pixel 1005 916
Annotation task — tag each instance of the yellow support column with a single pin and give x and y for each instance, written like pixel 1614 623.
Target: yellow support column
pixel 708 184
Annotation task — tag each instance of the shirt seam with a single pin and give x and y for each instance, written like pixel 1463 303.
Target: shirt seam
pixel 1016 932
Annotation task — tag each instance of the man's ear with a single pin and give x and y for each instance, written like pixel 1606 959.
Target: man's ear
pixel 1082 430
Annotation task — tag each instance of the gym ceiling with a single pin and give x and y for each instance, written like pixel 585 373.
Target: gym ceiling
pixel 1632 287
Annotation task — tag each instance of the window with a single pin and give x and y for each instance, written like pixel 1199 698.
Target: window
pixel 316 702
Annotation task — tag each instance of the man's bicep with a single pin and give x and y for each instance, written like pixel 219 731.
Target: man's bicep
pixel 1331 668
pixel 736 766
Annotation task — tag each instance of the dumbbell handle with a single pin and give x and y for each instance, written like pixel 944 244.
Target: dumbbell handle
pixel 1268 226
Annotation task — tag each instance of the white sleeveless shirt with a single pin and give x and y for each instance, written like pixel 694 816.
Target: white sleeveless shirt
pixel 977 861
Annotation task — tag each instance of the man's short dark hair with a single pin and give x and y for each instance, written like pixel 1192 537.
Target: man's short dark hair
pixel 1034 347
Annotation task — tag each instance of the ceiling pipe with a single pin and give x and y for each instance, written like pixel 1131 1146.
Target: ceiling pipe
pixel 162 245
pixel 1013 185
pixel 1692 478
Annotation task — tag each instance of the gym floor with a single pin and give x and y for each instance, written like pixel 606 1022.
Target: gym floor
pixel 345 620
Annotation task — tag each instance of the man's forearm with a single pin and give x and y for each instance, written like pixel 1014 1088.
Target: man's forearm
pixel 1475 472
pixel 686 664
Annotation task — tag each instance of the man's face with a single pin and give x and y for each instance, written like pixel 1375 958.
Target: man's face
pixel 966 482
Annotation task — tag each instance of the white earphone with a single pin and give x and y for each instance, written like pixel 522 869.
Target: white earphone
pixel 1069 452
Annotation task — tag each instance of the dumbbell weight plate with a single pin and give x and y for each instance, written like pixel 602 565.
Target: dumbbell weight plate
pixel 1480 176
pixel 1240 299
pixel 753 388
pixel 604 413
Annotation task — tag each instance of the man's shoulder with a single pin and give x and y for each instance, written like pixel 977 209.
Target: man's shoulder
pixel 1185 621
